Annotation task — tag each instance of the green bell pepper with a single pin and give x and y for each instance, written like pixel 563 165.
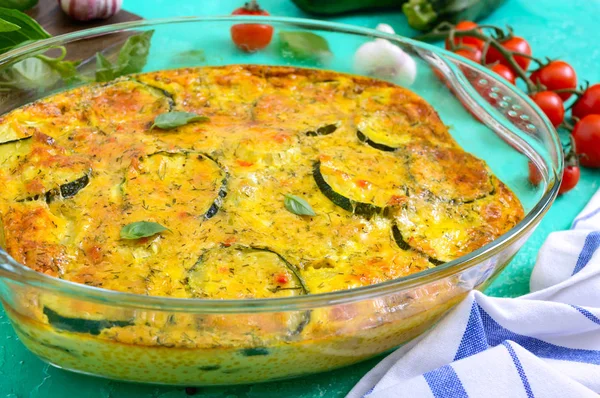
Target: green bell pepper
pixel 332 7
pixel 421 14
pixel 20 5
pixel 426 14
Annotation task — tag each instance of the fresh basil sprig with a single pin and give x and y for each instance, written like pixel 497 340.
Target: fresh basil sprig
pixel 171 120
pixel 27 29
pixel 141 229
pixel 297 205
pixel 303 45
pixel 131 59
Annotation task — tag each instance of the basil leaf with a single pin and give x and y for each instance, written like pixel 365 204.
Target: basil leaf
pixel 6 26
pixel 303 45
pixel 20 5
pixel 141 229
pixel 297 205
pixel 28 29
pixel 171 120
pixel 29 74
pixel 104 69
pixel 131 59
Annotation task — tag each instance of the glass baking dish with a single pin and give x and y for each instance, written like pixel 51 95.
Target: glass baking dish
pixel 215 342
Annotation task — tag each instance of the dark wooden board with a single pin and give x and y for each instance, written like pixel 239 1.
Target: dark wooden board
pixel 56 22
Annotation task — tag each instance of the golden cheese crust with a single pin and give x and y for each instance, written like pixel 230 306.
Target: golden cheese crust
pixel 392 191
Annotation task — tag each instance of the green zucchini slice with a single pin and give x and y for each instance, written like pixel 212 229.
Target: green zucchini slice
pixel 402 244
pixel 440 229
pixel 353 206
pixel 80 325
pixel 232 272
pixel 168 183
pixel 376 145
pixel 358 182
pixel 323 130
pixel 29 158
pixel 449 173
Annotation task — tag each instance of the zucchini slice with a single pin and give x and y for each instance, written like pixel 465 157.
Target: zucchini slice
pixel 353 206
pixel 449 173
pixel 371 143
pixel 323 130
pixel 233 272
pixel 168 183
pixel 402 244
pixel 440 229
pixel 125 106
pixel 29 159
pixel 359 182
pixel 80 325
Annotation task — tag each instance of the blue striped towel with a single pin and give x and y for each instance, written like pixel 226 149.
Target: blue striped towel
pixel 543 344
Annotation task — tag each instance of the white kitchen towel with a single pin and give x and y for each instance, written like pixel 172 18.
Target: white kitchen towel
pixel 543 344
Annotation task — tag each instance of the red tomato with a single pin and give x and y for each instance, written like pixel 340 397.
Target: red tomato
pixel 589 103
pixel 251 37
pixel 552 106
pixel 587 140
pixel 515 43
pixel 465 40
pixel 555 76
pixel 505 72
pixel 535 177
pixel 472 53
pixel 570 179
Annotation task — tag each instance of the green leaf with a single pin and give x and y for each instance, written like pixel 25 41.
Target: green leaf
pixel 297 205
pixel 6 26
pixel 20 5
pixel 303 45
pixel 105 71
pixel 141 229
pixel 171 120
pixel 131 59
pixel 29 74
pixel 29 29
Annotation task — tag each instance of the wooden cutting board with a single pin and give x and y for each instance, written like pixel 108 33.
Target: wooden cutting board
pixel 56 22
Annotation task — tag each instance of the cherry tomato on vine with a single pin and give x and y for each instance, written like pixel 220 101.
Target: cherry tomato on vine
pixel 515 43
pixel 465 40
pixel 505 72
pixel 586 135
pixel 472 53
pixel 552 105
pixel 589 103
pixel 570 178
pixel 556 75
pixel 251 37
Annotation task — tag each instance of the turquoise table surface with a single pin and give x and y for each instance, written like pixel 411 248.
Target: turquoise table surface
pixel 555 28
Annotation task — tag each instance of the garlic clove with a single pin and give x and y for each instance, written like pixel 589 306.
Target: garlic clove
pixel 380 58
pixel 86 10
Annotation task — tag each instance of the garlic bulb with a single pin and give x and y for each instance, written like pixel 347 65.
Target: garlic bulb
pixel 383 59
pixel 86 10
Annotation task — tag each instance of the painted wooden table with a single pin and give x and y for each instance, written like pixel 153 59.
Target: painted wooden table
pixel 554 28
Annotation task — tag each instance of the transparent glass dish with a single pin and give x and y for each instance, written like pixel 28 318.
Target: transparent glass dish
pixel 212 342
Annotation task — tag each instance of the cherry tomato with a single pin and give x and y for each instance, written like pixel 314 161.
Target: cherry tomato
pixel 505 72
pixel 251 37
pixel 472 53
pixel 552 106
pixel 465 40
pixel 555 76
pixel 535 177
pixel 587 140
pixel 589 103
pixel 515 43
pixel 570 179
